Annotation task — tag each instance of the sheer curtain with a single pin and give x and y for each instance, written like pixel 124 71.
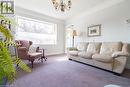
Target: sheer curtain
pixel 39 32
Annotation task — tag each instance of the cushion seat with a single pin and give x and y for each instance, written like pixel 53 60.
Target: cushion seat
pixel 102 58
pixel 35 55
pixel 73 53
pixel 87 55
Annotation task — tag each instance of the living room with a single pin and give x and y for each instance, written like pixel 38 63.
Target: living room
pixel 65 43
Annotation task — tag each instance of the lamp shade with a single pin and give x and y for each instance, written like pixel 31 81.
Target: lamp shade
pixel 74 33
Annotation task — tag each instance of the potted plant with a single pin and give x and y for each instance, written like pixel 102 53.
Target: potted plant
pixel 7 62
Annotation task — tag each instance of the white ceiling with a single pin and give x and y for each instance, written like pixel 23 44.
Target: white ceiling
pixel 45 7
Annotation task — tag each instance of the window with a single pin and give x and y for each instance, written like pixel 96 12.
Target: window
pixel 37 31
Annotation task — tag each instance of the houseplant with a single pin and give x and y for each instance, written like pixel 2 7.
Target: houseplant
pixel 7 63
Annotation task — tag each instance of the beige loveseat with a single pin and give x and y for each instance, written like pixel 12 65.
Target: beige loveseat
pixel 111 56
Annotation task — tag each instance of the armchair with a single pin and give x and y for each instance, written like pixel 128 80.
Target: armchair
pixel 23 51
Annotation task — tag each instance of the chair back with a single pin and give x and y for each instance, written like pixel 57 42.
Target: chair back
pixel 23 48
pixel 24 43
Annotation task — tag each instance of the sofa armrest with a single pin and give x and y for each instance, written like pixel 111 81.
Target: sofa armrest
pixel 119 64
pixel 120 53
pixel 72 49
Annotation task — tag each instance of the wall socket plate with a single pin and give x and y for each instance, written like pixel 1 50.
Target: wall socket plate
pixel 128 21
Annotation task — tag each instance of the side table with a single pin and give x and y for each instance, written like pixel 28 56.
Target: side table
pixel 43 53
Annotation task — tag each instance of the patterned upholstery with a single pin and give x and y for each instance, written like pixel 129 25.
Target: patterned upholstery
pixel 23 51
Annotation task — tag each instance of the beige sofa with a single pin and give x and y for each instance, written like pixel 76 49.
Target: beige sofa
pixel 111 56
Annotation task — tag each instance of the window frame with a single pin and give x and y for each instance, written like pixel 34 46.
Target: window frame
pixel 38 21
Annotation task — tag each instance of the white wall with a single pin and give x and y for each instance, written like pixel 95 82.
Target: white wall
pixel 50 49
pixel 112 20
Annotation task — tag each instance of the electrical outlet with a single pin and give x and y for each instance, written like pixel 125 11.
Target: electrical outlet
pixel 128 21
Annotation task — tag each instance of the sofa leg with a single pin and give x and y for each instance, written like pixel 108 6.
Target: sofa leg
pixel 17 64
pixel 45 58
pixel 117 74
pixel 70 59
pixel 32 63
pixel 41 59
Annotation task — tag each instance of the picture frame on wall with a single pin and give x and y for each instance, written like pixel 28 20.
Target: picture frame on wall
pixel 94 30
pixel 6 24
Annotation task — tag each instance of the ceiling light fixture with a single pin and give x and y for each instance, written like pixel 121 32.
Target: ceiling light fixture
pixel 62 5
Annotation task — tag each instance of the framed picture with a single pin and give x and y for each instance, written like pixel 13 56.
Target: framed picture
pixel 5 24
pixel 94 30
pixel 7 7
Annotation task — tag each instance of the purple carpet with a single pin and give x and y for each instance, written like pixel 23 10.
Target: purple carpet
pixel 58 71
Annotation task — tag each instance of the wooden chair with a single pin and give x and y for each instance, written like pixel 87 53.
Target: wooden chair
pixel 23 51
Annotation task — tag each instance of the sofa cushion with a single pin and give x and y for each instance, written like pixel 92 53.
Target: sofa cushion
pixel 102 58
pixel 82 46
pixel 84 54
pixel 73 53
pixel 35 55
pixel 110 47
pixel 93 47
